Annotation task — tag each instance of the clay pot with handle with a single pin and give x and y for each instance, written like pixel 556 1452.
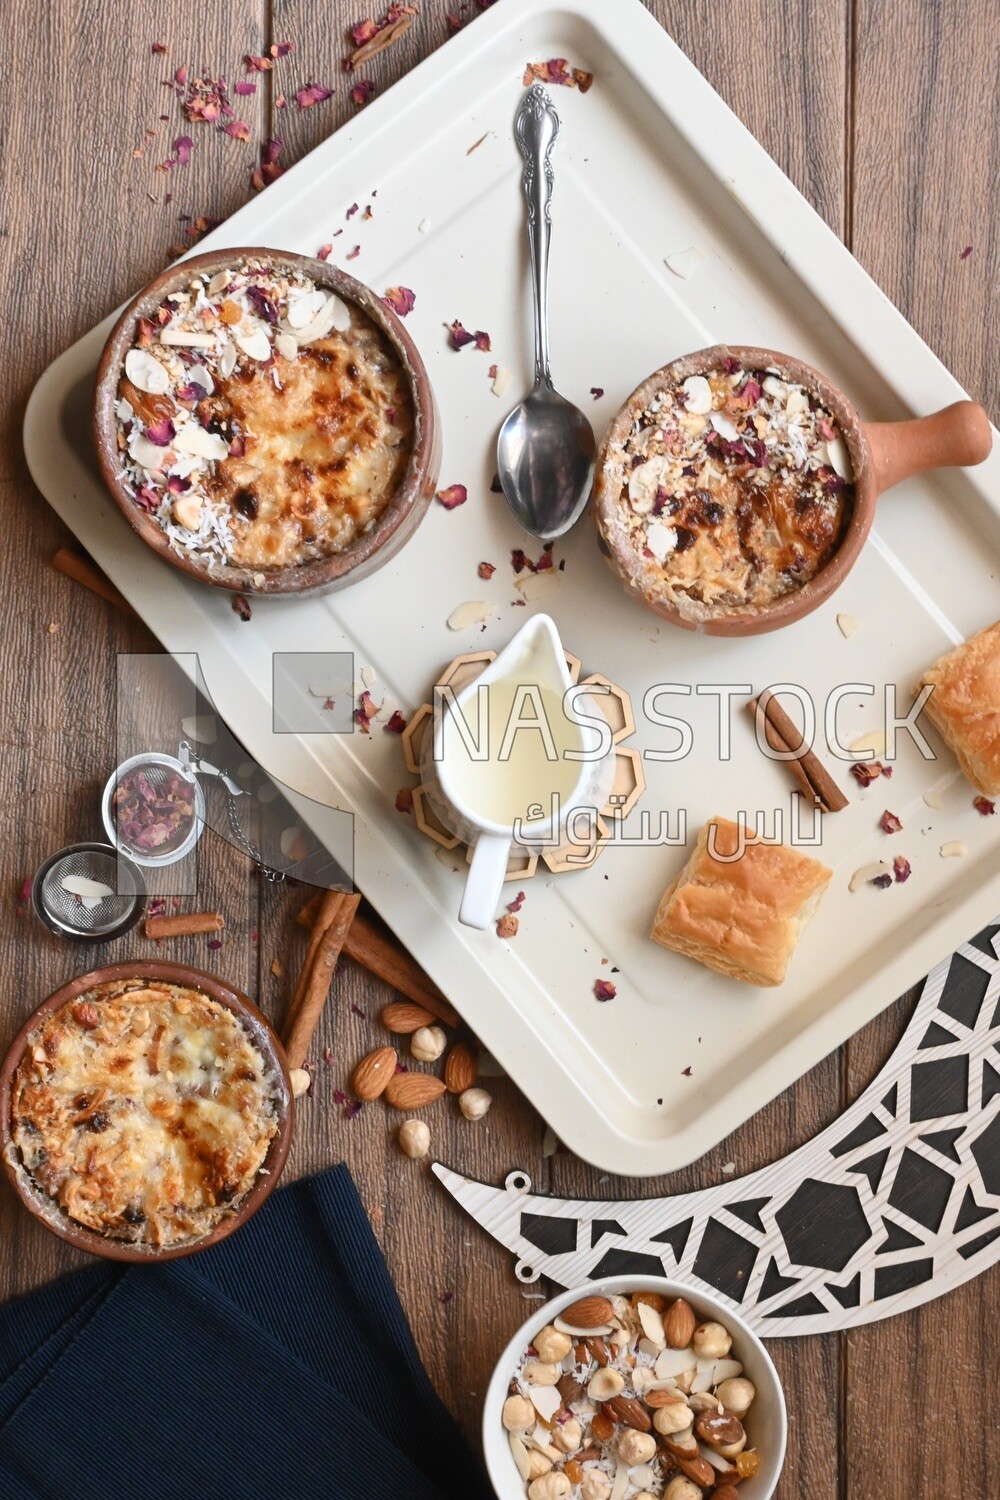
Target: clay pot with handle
pixel 882 454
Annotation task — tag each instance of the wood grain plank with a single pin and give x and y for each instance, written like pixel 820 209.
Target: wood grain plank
pixel 926 147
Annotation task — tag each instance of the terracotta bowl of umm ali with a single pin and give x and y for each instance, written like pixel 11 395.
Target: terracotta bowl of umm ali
pixel 146 1111
pixel 736 487
pixel 265 423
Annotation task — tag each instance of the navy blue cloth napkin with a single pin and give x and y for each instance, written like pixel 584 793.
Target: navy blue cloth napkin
pixel 277 1365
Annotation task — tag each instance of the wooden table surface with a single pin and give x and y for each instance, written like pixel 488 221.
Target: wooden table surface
pixel 883 112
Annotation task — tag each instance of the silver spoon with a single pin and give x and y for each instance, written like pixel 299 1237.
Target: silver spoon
pixel 546 447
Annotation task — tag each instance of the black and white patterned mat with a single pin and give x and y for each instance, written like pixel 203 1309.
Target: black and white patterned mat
pixel 896 1202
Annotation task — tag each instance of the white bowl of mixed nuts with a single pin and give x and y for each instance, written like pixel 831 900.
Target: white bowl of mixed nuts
pixel 634 1388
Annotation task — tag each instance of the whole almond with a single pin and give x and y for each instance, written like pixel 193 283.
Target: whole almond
pixel 404 1018
pixel 630 1411
pixel 373 1072
pixel 407 1091
pixel 460 1069
pixel 698 1469
pixel 569 1389
pixel 597 1349
pixel 589 1312
pixel 679 1324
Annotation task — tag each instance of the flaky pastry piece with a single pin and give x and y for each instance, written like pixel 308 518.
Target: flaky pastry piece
pixel 741 916
pixel 965 706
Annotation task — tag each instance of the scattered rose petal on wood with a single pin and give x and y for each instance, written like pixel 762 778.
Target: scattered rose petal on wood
pixel 362 91
pixel 889 823
pixel 557 71
pixel 984 807
pixel 395 724
pixel 901 868
pixel 214 943
pixel 241 605
pixel 401 299
pixel 604 989
pixel 486 569
pixel 255 64
pixel 311 94
pixel 507 925
pixel 269 170
pixel 404 800
pixel 372 37
pixel 280 102
pixel 966 253
pixel 446 1297
pixel 281 49
pixel 238 129
pixel 158 47
pixel 453 496
pixel 244 88
pixel 357 1011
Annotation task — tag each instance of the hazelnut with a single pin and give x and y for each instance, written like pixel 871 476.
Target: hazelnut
pixel 549 1487
pixel 518 1414
pixel 605 1383
pixel 636 1447
pixel 187 512
pixel 711 1341
pixel 474 1103
pixel 567 1436
pixel 681 1488
pixel 539 1372
pixel 551 1345
pixel 300 1081
pixel 538 1464
pixel 595 1485
pixel 427 1043
pixel 676 1417
pixel 737 1395
pixel 414 1139
pixel 701 1401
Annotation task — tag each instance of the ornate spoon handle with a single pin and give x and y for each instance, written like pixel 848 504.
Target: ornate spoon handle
pixel 536 129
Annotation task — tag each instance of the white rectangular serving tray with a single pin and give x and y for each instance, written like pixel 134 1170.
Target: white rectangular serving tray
pixel 650 163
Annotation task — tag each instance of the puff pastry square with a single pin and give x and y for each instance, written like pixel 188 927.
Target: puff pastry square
pixel 965 706
pixel 740 916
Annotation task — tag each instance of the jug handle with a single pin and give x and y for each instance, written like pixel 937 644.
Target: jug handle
pixel 484 881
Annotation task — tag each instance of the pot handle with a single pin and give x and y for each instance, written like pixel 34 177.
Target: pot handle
pixel 956 436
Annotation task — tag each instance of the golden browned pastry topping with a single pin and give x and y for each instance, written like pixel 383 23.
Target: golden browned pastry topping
pixel 736 488
pixel 144 1111
pixel 262 420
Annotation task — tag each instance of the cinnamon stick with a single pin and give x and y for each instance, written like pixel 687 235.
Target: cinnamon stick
pixel 185 925
pixel 82 571
pixel 317 976
pixel 386 958
pixel 782 736
pixel 380 41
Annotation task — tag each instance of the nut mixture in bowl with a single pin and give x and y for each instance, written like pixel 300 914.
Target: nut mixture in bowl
pixel 731 488
pixel 262 420
pixel 630 1398
pixel 142 1111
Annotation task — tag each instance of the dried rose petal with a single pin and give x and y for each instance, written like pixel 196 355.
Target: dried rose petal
pixel 866 771
pixel 238 129
pixel 496 488
pixel 363 31
pixel 395 724
pixel 486 569
pixel 446 1297
pixel 353 254
pixel 453 496
pixel 882 881
pixel 362 91
pixel 162 433
pixel 351 211
pixel 158 47
pixel 984 807
pixel 482 341
pixel 255 64
pixel 401 300
pixel 269 169
pixel 281 49
pixel 901 868
pixel 404 800
pixel 244 88
pixel 557 70
pixel 517 902
pixel 604 989
pixel 597 391
pixel 312 93
pixel 458 336
pixel 687 1072
pixel 263 305
pixel 966 253
pixel 889 823
pixel 324 252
